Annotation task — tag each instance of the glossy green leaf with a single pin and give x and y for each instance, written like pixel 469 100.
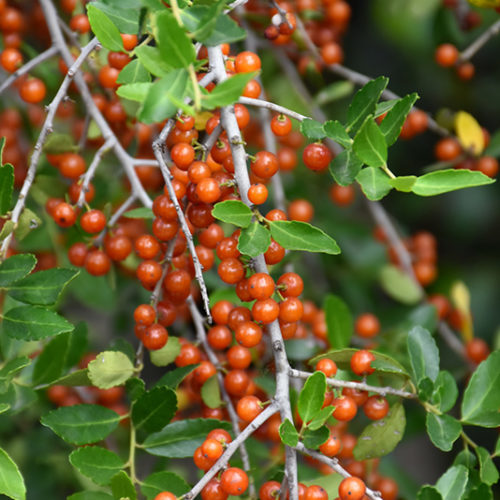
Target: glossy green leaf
pixel 481 399
pixel 452 483
pixel 11 480
pixel 6 187
pixel 81 424
pixel 381 437
pixel 312 129
pixel 424 354
pixel 311 396
pixel 97 463
pixel 399 286
pixel 151 58
pixel 364 102
pixel 28 221
pixel 123 487
pixel 125 18
pixel 33 323
pixel 254 240
pixel 313 439
pixel 233 212
pixel 429 493
pixel 16 267
pixel 443 430
pixel 110 368
pixel 134 72
pixel 288 433
pixel 339 322
pixel 393 122
pixel 104 29
pixel 444 181
pixel 345 167
pixel 336 131
pixel 158 103
pixel 167 354
pixel 163 481
pixel 404 183
pixel 227 92
pixel 321 417
pixel 210 392
pixel 180 439
pixel 173 41
pixel 295 235
pixel 374 183
pixel 488 471
pixel 154 409
pixel 140 213
pixel 173 378
pixel 43 287
pixel 445 391
pixel 369 144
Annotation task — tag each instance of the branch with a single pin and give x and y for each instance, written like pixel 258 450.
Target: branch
pixel 477 44
pixel 360 386
pixel 250 101
pixel 44 133
pixel 334 464
pixel 32 63
pixel 231 449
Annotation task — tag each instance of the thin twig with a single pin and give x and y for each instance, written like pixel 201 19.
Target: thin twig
pixel 250 101
pixel 480 41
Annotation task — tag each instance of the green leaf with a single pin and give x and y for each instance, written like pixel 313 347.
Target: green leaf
pixel 311 396
pixel 424 354
pixel 336 131
pixel 210 392
pixel 43 287
pixel 135 388
pixel 398 285
pixel 313 439
pixel 123 487
pixel 333 92
pixel 384 107
pixel 288 433
pixel 445 391
pixel 58 143
pixel 140 213
pixel 11 480
pixel 226 29
pixel 180 439
pixel 425 389
pixel 295 235
pixel 154 409
pixel 173 378
pixel 481 492
pixel 339 322
pixel 173 41
pixel 393 122
pixel 207 23
pixel 104 29
pixel 152 60
pixel 254 240
pixel 158 103
pixel 443 430
pixel 134 72
pixel 452 483
pixel 110 368
pixel 429 493
pixel 312 129
pixel 97 463
pixel 125 18
pixel 33 323
pixel 74 379
pixel 227 92
pixel 444 181
pixel 345 167
pixel 482 396
pixel 369 144
pixel 15 268
pixel 164 481
pixel 167 354
pixel 6 187
pixel 81 424
pixel 233 212
pixel 404 183
pixel 300 349
pixel 487 469
pixel 381 437
pixel 321 418
pixel 374 183
pixel 364 102
pixel 27 222
pixel 9 371
pixel 7 229
pixel 90 495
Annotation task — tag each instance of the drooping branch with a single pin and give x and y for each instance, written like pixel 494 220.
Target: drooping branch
pixel 479 42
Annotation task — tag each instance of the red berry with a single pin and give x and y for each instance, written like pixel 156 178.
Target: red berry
pixel 361 362
pixel 234 481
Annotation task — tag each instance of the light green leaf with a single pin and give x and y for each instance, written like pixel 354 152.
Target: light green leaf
pixel 167 354
pixel 488 471
pixel 345 167
pixel 254 240
pixel 288 433
pixel 321 418
pixel 173 41
pixel 11 480
pixel 134 72
pixel 140 213
pixel 398 285
pixel 336 131
pixel 134 92
pixel 152 60
pixel 157 482
pixel 444 181
pixel 123 487
pixel 154 409
pixel 312 129
pixel 15 268
pixel 27 222
pixel 104 29
pixel 374 183
pixel 369 144
pixel 393 122
pixel 58 143
pixel 339 321
pixel 110 368
pixel 452 483
pixel 404 183
pixel 125 18
pixel 429 493
pixel 233 212
pixel 443 430
pixel 210 392
pixel 312 396
pixel 424 354
pixel 227 92
pixel 97 463
pixel 445 391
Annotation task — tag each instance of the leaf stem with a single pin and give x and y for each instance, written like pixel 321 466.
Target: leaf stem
pixel 196 88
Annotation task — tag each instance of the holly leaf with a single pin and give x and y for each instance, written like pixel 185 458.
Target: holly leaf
pixel 488 471
pixel 339 322
pixel 345 167
pixel 393 122
pixel 254 240
pixel 210 392
pixel 109 369
pixel 233 212
pixel 313 439
pixel 288 433
pixel 161 481
pixel 369 144
pixel 167 354
pixel 336 131
pixel 11 480
pixel 15 268
pixel 399 286
pixel 424 354
pixel 374 183
pixel 97 463
pixel 443 430
pixel 154 409
pixel 175 45
pixel 311 396
pixel 452 483
pixel 104 29
pixel 444 181
pixel 312 129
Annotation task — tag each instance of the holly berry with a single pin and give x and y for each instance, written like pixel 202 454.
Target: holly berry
pixel 376 407
pixel 315 492
pixel 477 350
pixel 270 490
pixel 316 157
pixel 281 125
pixel 331 446
pixel 367 325
pixel 248 408
pixel 165 495
pixel 352 488
pixel 155 337
pixel 246 62
pixel 361 362
pixel 345 408
pixel 32 90
pixel 234 481
pixel 212 449
pixel 93 221
pixel 327 366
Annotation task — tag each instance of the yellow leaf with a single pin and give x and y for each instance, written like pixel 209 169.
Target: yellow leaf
pixel 460 297
pixel 485 3
pixel 469 133
pixel 201 119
